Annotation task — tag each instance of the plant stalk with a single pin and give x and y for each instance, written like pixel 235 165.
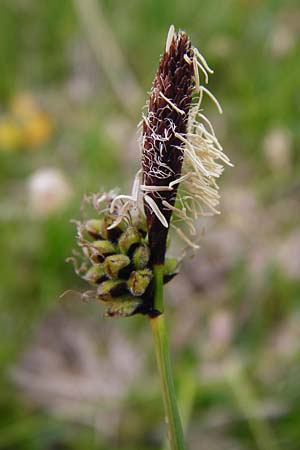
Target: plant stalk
pixel 162 350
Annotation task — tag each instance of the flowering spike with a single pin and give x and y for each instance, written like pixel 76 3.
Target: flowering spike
pixel 162 154
pixel 179 147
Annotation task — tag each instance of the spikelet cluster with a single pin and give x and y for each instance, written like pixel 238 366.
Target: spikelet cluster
pixel 115 259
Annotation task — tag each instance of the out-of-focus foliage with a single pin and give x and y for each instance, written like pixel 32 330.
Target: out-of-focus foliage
pixel 72 380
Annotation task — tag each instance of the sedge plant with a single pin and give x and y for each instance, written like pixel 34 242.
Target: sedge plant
pixel 124 246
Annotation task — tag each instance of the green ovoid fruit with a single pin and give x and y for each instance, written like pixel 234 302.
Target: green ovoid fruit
pixel 93 227
pixel 141 256
pixel 130 238
pixel 124 306
pixel 111 289
pixel 114 263
pixel 171 268
pixel 139 281
pixel 101 249
pixel 95 274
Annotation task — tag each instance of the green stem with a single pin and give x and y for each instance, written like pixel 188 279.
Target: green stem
pixel 162 351
pixel 186 393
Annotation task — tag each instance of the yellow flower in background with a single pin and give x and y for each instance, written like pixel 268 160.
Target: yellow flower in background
pixel 25 125
pixel 11 137
pixel 37 130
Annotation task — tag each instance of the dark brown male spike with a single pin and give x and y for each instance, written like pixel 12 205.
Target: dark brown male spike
pixel 162 152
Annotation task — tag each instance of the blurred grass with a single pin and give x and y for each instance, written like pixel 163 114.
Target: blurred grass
pixel 254 49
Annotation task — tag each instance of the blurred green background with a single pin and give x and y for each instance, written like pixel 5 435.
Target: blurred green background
pixel 74 76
